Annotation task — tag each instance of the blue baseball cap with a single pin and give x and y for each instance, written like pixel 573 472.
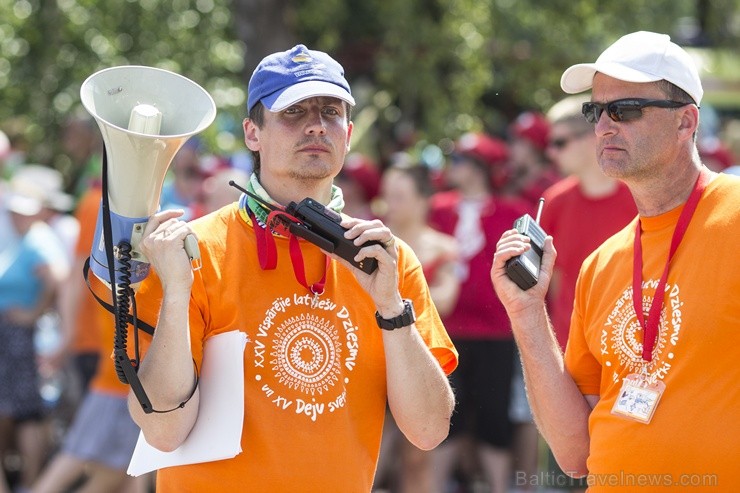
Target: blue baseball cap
pixel 286 77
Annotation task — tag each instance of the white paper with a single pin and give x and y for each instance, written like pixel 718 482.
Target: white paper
pixel 217 432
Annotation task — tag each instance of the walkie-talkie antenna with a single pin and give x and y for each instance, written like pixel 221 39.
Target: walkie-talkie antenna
pixel 539 209
pixel 255 197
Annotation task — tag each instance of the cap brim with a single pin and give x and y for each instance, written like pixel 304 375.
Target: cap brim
pixel 20 204
pixel 580 77
pixel 60 202
pixel 304 90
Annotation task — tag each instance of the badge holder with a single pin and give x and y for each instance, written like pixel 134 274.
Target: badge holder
pixel 638 398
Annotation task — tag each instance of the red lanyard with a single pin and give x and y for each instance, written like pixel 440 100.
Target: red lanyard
pixel 650 330
pixel 267 254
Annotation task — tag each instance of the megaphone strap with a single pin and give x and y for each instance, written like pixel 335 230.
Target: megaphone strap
pixel 129 318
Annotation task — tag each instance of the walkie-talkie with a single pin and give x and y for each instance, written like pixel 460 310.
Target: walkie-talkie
pixel 320 226
pixel 524 269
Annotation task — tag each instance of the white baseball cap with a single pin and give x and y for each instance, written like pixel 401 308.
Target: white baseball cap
pixel 638 57
pixel 34 187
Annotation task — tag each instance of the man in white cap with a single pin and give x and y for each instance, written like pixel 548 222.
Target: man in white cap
pixel 328 344
pixel 646 393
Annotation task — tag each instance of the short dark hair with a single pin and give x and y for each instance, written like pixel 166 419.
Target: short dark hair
pixel 420 176
pixel 257 116
pixel 674 93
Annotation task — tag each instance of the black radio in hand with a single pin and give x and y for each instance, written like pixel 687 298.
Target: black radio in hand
pixel 321 227
pixel 310 220
pixel 524 269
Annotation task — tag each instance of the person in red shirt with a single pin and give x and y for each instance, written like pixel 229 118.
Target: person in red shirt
pixel 580 211
pixel 530 170
pixel 474 214
pixel 406 190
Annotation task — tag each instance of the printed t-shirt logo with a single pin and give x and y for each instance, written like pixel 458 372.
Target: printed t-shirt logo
pixel 304 352
pixel 621 336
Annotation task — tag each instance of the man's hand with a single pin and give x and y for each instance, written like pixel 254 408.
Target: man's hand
pixel 163 243
pixel 382 284
pixel 514 298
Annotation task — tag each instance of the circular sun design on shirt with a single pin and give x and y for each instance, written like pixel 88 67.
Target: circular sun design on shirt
pixel 627 337
pixel 625 334
pixel 306 354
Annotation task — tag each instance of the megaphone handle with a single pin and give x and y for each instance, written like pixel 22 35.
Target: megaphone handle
pixel 193 251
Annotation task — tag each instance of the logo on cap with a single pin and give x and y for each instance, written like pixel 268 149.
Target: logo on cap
pixel 302 58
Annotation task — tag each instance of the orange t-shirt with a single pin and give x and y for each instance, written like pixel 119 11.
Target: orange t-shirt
pixel 693 439
pixel 315 382
pixel 87 335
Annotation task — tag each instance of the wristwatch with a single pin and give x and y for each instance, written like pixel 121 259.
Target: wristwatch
pixel 406 318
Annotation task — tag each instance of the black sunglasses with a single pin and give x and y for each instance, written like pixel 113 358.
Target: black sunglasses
pixel 562 142
pixel 623 110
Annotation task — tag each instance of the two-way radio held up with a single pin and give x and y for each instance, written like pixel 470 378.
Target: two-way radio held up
pixel 310 220
pixel 524 269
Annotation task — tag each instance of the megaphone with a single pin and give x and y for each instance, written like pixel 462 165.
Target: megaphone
pixel 145 115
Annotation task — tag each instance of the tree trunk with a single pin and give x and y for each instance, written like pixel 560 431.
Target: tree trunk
pixel 265 26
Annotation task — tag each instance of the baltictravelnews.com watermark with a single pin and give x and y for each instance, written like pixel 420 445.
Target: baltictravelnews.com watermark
pixel 621 479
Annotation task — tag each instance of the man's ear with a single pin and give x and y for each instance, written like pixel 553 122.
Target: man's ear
pixel 689 121
pixel 350 126
pixel 251 135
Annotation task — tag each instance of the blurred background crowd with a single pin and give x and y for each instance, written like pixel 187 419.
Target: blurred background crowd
pixel 460 128
pixel 451 213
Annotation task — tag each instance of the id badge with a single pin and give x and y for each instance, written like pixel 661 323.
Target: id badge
pixel 637 398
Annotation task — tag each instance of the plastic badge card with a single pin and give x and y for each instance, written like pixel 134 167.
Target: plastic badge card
pixel 217 433
pixel 637 398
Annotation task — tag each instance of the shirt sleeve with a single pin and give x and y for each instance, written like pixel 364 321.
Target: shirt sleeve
pixel 580 362
pixel 413 286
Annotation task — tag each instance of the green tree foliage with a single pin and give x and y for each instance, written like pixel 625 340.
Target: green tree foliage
pixel 449 66
pixel 441 67
pixel 48 48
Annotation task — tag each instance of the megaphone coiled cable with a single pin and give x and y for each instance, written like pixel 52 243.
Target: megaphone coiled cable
pixel 123 302
pixel 123 298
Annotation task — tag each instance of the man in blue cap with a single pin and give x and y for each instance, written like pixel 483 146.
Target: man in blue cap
pixel 328 344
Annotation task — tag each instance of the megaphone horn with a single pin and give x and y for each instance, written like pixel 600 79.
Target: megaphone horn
pixel 145 115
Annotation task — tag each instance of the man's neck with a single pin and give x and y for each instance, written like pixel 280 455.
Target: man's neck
pixel 660 194
pixel 293 190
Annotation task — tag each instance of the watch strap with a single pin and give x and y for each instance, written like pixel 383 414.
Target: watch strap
pixel 406 318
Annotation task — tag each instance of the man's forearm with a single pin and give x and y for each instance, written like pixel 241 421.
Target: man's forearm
pixel 560 410
pixel 419 394
pixel 167 375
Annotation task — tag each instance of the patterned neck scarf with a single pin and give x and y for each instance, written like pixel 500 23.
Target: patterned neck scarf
pixel 336 203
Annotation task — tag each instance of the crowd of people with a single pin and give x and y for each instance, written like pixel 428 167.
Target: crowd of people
pixel 65 420
pixel 450 227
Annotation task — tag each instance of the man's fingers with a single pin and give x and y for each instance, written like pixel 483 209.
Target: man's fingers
pixel 366 231
pixel 509 247
pixel 160 218
pixel 549 255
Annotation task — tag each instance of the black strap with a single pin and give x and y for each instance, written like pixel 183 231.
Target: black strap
pixel 129 318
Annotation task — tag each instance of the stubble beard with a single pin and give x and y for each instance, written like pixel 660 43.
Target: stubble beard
pixel 315 170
